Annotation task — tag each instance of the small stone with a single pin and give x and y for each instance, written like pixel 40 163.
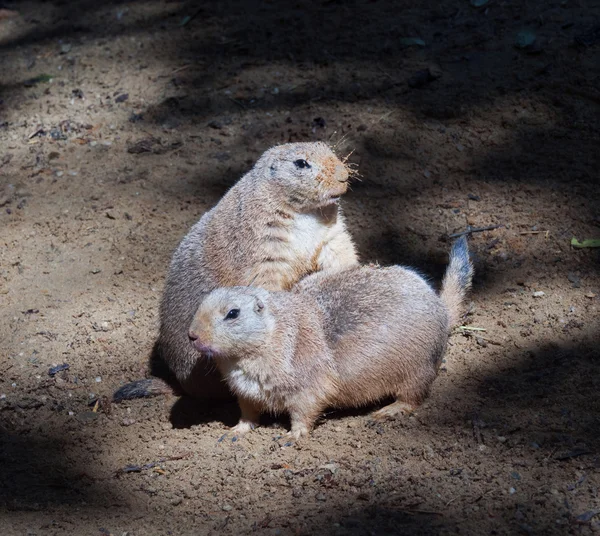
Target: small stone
pixel 538 294
pixel 481 342
pixel 59 173
pixel 332 467
pixel 296 493
pixel 574 279
pixel 502 439
pixel 321 497
pixel 122 98
pixel 66 48
pixel 128 422
pixel 512 491
pixel 177 501
pixel 227 508
pixel 87 417
pixel 590 295
pixel 93 143
pixel 98 379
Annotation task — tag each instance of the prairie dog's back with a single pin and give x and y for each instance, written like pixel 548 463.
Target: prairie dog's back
pixel 379 322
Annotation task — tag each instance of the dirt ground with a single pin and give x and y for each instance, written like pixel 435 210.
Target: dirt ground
pixel 122 122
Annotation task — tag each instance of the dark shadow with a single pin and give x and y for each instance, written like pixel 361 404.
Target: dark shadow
pixel 549 398
pixel 362 517
pixel 37 473
pixel 188 412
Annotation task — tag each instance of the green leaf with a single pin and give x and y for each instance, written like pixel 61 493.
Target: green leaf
pixel 589 243
pixel 410 41
pixel 525 38
pixel 38 79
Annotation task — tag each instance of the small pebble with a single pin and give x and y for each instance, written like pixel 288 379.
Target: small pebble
pixel 538 294
pixel 59 173
pixel 93 143
pixel 227 508
pixel 98 379
pixel 512 491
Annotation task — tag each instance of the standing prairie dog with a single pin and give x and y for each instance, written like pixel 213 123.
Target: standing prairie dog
pixel 277 224
pixel 341 339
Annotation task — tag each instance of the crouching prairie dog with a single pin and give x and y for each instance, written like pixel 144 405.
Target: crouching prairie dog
pixel 342 339
pixel 278 223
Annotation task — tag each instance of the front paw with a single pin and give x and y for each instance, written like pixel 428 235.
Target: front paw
pixel 237 432
pixel 292 437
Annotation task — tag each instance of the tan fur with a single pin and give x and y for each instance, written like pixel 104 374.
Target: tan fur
pixel 341 339
pixel 277 224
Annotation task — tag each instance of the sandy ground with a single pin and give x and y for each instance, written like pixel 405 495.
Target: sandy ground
pixel 120 126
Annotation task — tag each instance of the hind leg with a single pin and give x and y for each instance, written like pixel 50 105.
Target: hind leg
pixel 393 410
pixel 407 401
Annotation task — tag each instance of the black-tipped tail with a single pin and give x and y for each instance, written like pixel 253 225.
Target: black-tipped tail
pixel 142 389
pixel 457 280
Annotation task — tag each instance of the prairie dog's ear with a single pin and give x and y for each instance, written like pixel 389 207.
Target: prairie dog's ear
pixel 259 305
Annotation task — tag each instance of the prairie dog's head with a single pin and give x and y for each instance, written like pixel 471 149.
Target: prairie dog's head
pixel 231 322
pixel 310 174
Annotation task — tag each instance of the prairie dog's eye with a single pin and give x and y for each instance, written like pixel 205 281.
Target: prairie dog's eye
pixel 301 163
pixel 233 313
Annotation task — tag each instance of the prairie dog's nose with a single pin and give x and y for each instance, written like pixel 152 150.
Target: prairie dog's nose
pixel 192 335
pixel 341 173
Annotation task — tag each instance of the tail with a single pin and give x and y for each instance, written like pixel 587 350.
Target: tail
pixel 457 280
pixel 143 389
pixel 161 382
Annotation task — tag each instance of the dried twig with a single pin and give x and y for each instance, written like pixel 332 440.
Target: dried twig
pixel 178 70
pixel 239 103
